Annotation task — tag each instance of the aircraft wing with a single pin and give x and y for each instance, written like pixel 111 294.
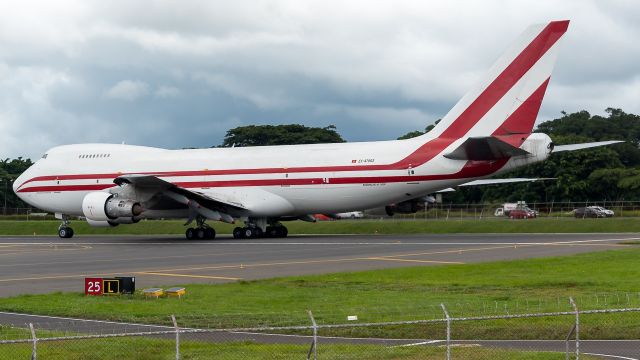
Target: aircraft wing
pixel 572 147
pixel 198 203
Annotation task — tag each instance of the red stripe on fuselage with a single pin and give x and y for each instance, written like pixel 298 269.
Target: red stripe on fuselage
pixel 471 169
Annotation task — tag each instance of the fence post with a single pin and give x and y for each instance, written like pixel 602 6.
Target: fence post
pixel 175 326
pixel 575 308
pixel 34 354
pixel 446 315
pixel 314 343
pixel 566 341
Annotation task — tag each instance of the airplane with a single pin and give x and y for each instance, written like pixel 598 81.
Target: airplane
pixel 488 132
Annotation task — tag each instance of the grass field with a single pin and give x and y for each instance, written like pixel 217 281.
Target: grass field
pixel 148 349
pixel 533 285
pixel 570 225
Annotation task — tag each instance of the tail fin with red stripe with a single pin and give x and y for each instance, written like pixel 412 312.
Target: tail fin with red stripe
pixel 507 100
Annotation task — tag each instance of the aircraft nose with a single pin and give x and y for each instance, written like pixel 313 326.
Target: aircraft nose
pixel 18 182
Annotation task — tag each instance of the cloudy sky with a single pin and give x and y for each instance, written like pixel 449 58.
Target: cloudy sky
pixel 180 74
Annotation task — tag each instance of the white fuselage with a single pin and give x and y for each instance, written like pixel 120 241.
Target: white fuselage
pixel 270 180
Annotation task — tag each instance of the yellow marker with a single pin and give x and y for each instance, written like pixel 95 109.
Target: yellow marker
pixel 176 292
pixel 153 292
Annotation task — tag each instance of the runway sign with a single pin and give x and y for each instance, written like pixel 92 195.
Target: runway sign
pixel 109 286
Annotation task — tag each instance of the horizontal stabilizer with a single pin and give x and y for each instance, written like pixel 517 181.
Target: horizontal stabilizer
pixel 502 181
pixel 484 149
pixel 573 147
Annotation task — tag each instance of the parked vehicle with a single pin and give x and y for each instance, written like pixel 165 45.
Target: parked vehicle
pixel 507 208
pixel 588 212
pixel 350 215
pixel 606 212
pixel 522 214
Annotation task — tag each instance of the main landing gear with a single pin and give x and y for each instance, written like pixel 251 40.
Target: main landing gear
pixel 202 232
pixel 64 230
pixel 272 231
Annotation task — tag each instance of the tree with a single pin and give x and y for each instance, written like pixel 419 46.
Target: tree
pixel 412 134
pixel 9 171
pixel 260 135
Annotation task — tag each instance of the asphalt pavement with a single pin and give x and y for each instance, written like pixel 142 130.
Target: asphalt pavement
pixel 46 264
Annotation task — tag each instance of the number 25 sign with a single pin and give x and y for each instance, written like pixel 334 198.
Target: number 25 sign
pixel 93 286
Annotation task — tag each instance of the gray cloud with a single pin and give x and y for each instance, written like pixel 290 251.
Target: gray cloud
pixel 128 90
pixel 181 74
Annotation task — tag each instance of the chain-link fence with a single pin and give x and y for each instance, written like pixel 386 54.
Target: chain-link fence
pixel 494 211
pixel 436 211
pixel 574 334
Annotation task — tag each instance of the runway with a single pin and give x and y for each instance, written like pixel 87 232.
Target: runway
pixel 46 264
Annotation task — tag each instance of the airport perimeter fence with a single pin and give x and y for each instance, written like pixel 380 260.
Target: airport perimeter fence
pixel 575 334
pixel 436 211
pixel 488 211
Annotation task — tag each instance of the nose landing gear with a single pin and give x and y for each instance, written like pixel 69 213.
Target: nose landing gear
pixel 64 230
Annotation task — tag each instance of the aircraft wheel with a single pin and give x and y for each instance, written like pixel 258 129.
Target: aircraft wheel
pixel 284 232
pixel 257 233
pixel 201 233
pixel 190 233
pixel 238 233
pixel 210 233
pixel 248 232
pixel 65 232
pixel 272 231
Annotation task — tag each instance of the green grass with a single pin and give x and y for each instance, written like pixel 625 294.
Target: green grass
pixel 148 349
pixel 609 279
pixel 541 225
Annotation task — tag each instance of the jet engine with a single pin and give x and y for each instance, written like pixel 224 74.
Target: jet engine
pixel 409 206
pixel 103 206
pixel 114 222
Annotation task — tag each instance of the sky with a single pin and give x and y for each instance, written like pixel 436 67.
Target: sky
pixel 180 74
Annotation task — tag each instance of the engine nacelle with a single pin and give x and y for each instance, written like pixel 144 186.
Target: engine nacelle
pixel 124 220
pixel 103 206
pixel 405 207
pixel 95 223
pixel 409 206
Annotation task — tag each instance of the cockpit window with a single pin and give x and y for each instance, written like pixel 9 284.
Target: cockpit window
pixel 44 156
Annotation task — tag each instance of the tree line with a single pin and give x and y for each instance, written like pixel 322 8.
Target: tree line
pixel 9 171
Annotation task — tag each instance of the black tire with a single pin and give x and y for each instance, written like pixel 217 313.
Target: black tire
pixel 257 233
pixel 201 233
pixel 65 232
pixel 283 231
pixel 190 233
pixel 248 232
pixel 272 231
pixel 237 233
pixel 210 233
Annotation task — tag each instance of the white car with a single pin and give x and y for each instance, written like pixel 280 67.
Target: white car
pixel 606 212
pixel 350 215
